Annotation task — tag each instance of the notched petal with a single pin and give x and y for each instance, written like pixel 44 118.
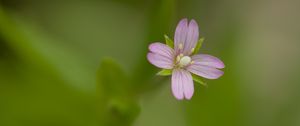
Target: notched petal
pixel 188 86
pixel 180 33
pixel 177 85
pixel 162 49
pixel 182 84
pixel 192 37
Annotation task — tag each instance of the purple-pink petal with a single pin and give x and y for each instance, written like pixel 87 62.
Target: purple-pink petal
pixel 180 34
pixel 207 60
pixel 161 49
pixel 188 87
pixel 182 84
pixel 160 60
pixel 205 71
pixel 192 37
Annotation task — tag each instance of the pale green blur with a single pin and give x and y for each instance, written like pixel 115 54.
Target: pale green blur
pixel 83 63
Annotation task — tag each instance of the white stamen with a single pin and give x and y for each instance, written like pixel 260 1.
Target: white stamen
pixel 178 58
pixel 180 46
pixel 185 61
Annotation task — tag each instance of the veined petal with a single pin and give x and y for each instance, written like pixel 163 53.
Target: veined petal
pixel 188 87
pixel 207 60
pixel 160 60
pixel 162 49
pixel 192 37
pixel 177 84
pixel 180 34
pixel 205 71
pixel 182 84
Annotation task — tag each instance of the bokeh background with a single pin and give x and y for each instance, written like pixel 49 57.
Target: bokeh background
pixel 83 63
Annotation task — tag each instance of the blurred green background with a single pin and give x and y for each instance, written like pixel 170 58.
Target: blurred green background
pixel 83 63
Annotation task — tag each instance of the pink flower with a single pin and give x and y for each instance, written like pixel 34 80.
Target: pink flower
pixel 182 62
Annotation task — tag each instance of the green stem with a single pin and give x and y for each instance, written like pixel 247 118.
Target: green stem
pixel 161 18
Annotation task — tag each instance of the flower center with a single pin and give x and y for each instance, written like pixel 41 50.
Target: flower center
pixel 185 60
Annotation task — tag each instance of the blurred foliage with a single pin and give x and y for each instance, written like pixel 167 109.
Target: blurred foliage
pixel 117 101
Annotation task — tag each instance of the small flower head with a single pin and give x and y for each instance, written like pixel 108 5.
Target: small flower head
pixel 182 60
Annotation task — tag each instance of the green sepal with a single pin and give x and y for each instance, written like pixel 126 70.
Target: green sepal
pixel 198 80
pixel 164 72
pixel 198 46
pixel 169 42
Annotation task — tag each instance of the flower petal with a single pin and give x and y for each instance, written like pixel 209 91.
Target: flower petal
pixel 162 49
pixel 177 84
pixel 207 60
pixel 188 86
pixel 160 60
pixel 192 37
pixel 205 71
pixel 180 34
pixel 182 84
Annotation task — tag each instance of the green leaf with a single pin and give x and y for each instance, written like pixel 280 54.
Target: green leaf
pixel 198 46
pixel 164 72
pixel 112 78
pixel 169 42
pixel 198 80
pixel 116 99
